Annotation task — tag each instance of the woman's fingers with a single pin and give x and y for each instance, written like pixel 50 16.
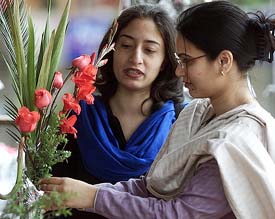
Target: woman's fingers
pixel 52 180
pixel 81 194
pixel 53 184
pixel 50 188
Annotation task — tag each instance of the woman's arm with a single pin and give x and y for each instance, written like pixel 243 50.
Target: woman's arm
pixel 132 186
pixel 203 197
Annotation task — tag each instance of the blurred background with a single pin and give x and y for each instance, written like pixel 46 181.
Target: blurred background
pixel 89 19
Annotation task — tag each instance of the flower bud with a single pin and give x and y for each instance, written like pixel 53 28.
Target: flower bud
pixel 102 62
pixel 43 98
pixel 81 61
pixel 93 56
pixel 58 80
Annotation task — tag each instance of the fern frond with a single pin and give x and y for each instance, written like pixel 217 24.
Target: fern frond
pixel 14 37
pixel 13 135
pixel 10 108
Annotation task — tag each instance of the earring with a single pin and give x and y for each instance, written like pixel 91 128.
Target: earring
pixel 222 73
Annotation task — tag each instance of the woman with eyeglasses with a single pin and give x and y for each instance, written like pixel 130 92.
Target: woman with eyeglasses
pixel 218 161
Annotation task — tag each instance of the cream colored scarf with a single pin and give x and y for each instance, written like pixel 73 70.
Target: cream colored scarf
pixel 243 145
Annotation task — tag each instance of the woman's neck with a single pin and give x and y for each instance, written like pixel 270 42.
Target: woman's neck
pixel 130 102
pixel 126 106
pixel 232 99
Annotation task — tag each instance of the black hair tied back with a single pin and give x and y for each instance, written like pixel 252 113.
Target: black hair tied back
pixel 264 31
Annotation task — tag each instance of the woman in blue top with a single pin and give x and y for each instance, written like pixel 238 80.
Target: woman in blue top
pixel 139 94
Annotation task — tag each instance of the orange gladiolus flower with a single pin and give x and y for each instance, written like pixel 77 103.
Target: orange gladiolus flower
pixel 70 103
pixel 67 125
pixel 85 93
pixel 81 61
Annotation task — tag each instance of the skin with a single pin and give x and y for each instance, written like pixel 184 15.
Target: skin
pixel 138 58
pixel 204 79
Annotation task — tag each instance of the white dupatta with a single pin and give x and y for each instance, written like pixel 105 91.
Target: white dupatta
pixel 242 144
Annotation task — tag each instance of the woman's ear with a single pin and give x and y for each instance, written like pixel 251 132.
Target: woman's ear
pixel 225 59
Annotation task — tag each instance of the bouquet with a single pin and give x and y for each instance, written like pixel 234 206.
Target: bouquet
pixel 37 84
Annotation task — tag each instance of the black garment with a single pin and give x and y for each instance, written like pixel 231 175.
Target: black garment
pixel 74 167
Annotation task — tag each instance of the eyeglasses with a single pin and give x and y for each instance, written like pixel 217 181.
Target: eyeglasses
pixel 183 61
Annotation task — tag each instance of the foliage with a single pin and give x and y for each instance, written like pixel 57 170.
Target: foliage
pixel 36 83
pixel 29 70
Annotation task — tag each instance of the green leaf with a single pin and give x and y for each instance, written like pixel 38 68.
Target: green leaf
pixel 14 78
pixel 44 41
pixel 59 41
pixel 43 79
pixel 19 51
pixel 46 33
pixel 31 66
pixel 40 57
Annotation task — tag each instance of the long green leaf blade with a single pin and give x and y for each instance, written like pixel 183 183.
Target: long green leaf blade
pixel 43 79
pixel 31 64
pixel 59 41
pixel 44 41
pixel 19 51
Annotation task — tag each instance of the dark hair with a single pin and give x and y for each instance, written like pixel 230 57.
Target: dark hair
pixel 166 86
pixel 220 25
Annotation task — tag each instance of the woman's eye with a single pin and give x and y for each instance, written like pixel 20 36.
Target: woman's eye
pixel 125 46
pixel 185 60
pixel 150 50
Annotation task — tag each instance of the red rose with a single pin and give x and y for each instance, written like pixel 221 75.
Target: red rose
pixel 42 98
pixel 81 61
pixel 58 80
pixel 26 120
pixel 67 125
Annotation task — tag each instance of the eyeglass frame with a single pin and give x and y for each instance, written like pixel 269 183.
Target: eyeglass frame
pixel 183 64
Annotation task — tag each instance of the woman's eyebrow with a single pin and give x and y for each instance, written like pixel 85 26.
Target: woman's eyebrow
pixel 131 37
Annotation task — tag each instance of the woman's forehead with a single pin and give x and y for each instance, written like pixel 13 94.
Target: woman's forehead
pixel 185 46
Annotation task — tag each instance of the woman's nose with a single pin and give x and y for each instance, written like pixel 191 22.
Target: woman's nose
pixel 180 72
pixel 136 56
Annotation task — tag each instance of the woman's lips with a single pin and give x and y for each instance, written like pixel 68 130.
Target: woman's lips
pixel 133 73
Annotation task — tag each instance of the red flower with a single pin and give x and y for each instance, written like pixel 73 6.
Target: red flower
pixel 26 120
pixel 81 61
pixel 70 103
pixel 85 93
pixel 91 70
pixel 83 79
pixel 93 56
pixel 67 125
pixel 58 80
pixel 42 98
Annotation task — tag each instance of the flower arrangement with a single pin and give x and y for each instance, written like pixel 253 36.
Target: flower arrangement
pixel 37 84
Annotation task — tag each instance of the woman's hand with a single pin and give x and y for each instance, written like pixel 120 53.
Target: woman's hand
pixel 81 194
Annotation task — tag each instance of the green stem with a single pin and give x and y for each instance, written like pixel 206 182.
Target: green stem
pixel 18 182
